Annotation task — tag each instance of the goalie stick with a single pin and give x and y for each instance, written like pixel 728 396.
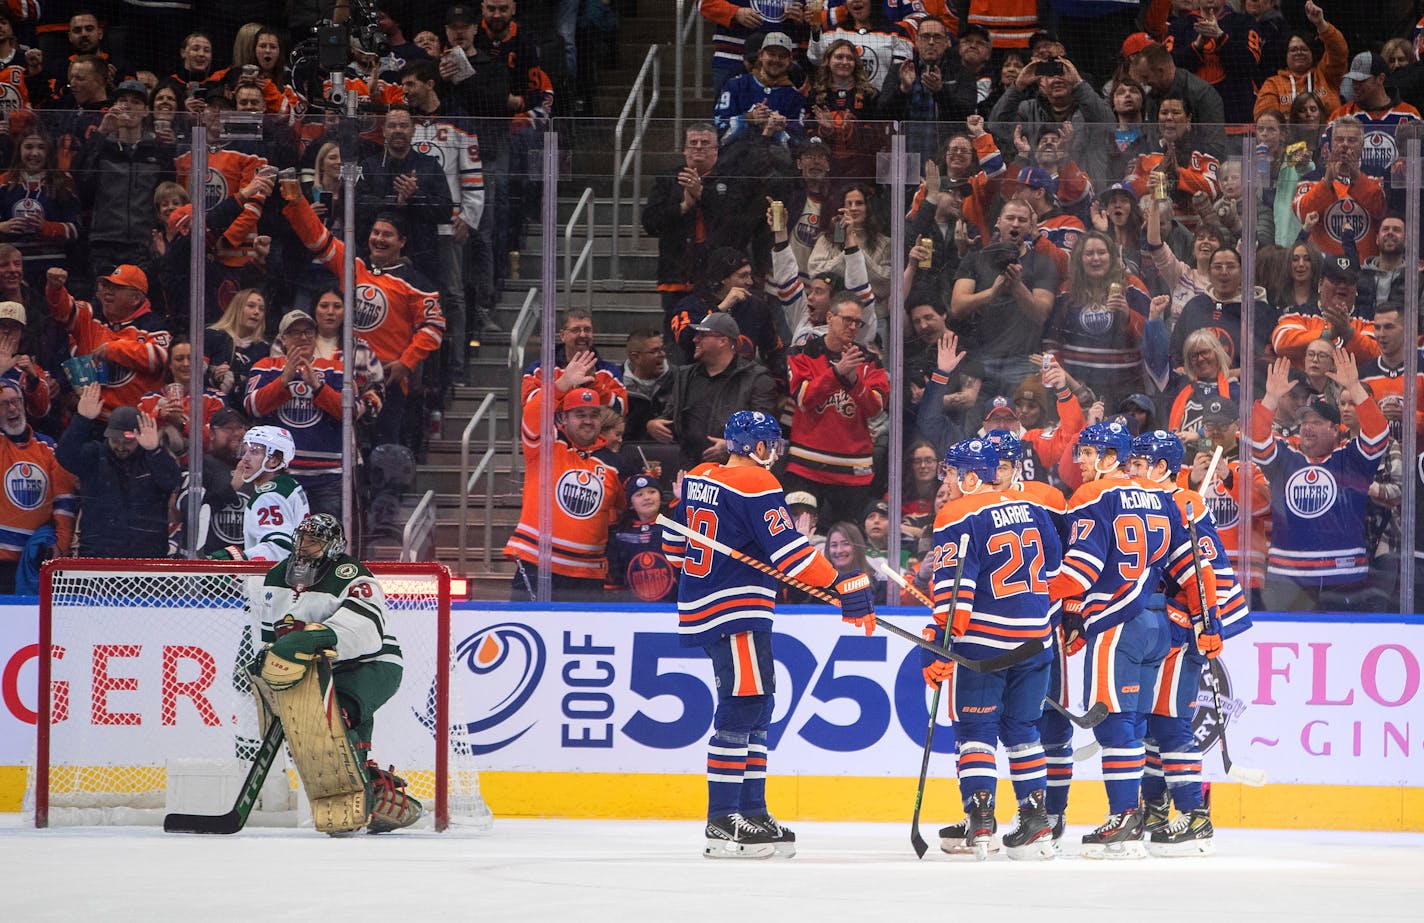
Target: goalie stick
pixel 236 819
pixel 1254 777
pixel 1088 719
pixel 990 665
pixel 916 840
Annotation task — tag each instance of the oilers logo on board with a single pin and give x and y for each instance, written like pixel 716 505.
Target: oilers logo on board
pixel 579 493
pixel 1380 151
pixel 215 189
pixel 498 670
pixel 26 485
pixel 1310 492
pixel 1095 320
pixel 371 307
pixel 300 411
pixel 1345 218
pixel 1206 723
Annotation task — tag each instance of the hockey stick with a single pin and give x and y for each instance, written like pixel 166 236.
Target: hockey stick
pixel 895 576
pixel 236 819
pixel 1256 777
pixel 916 840
pixel 1088 719
pixel 991 665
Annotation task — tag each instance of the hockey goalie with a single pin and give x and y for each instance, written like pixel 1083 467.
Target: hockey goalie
pixel 328 664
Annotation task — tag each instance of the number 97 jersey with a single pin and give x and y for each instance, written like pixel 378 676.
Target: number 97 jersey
pixel 272 515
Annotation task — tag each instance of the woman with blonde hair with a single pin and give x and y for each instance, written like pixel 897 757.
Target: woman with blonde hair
pixel 236 341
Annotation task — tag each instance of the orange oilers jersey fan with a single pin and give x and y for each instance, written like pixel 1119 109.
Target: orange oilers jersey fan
pixel 135 350
pixel 586 495
pixel 397 311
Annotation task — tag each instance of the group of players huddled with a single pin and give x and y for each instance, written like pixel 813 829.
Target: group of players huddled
pixel 1130 570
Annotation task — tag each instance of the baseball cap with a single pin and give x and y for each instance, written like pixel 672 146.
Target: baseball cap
pixel 720 324
pixel 1036 178
pixel 1134 44
pixel 123 422
pixel 1220 410
pixel 1136 402
pixel 1001 405
pixel 580 397
pixel 136 87
pixel 128 276
pixel 639 482
pixel 802 498
pixel 1323 409
pixel 12 310
pixel 1117 189
pixel 1363 66
pixel 462 14
pixel 7 382
pixel 1340 269
pixel 778 40
pixel 968 29
pixel 295 316
pixel 876 506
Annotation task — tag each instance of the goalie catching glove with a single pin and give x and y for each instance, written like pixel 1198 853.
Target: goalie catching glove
pixel 857 601
pixel 285 662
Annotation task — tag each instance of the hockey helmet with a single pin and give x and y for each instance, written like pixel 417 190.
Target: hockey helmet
pixel 1160 445
pixel 977 455
pixel 1010 446
pixel 391 469
pixel 746 428
pixel 273 439
pixel 1112 435
pixel 308 570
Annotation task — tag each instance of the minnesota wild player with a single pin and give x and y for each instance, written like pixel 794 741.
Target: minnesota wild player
pixel 275 502
pixel 320 600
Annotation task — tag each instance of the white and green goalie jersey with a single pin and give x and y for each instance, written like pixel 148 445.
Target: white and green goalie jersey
pixel 348 600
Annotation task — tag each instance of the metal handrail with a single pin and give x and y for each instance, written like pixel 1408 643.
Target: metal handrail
pixel 468 479
pixel 418 526
pixel 585 257
pixel 634 156
pixel 689 19
pixel 523 328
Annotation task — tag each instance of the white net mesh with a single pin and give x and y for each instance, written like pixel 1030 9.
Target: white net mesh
pixel 148 679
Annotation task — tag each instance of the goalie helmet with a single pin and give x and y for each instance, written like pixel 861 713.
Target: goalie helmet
pixel 1104 436
pixel 304 570
pixel 746 428
pixel 977 455
pixel 1160 445
pixel 273 439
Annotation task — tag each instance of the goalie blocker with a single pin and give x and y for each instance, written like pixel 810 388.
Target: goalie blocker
pixel 329 664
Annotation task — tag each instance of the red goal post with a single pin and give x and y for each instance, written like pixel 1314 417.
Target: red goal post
pixel 141 677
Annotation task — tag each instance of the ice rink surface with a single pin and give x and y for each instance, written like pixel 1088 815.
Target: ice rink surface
pixel 616 871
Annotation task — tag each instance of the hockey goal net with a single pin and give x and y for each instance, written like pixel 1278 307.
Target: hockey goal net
pixel 142 682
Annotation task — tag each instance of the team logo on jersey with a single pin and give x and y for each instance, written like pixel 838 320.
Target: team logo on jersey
pixel 498 669
pixel 808 228
pixel 650 576
pixel 841 402
pixel 1380 151
pixel 227 523
pixel 10 98
pixel 28 208
pixel 579 493
pixel 26 485
pixel 1223 509
pixel 870 57
pixel 116 375
pixel 1345 217
pixel 1310 492
pixel 300 411
pixel 1206 723
pixel 346 571
pixel 270 485
pixel 430 149
pixel 215 189
pixel 371 307
pixel 1095 320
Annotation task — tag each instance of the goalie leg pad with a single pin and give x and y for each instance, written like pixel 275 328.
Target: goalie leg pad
pixel 332 776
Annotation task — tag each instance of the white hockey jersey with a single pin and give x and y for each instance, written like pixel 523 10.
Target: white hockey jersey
pixel 273 512
pixel 348 600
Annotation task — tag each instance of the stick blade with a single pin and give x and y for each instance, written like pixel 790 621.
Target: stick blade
pixel 918 842
pixel 231 822
pixel 1094 716
pixel 1087 751
pixel 1002 661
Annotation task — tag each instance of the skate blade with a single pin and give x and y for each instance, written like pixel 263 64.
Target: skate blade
pixel 981 849
pixel 722 849
pixel 785 850
pixel 1039 850
pixel 1182 850
pixel 957 847
pixel 1132 849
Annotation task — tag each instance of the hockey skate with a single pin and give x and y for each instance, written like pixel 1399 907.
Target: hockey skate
pixel 981 825
pixel 781 835
pixel 1033 837
pixel 1190 834
pixel 391 807
pixel 732 836
pixel 1156 813
pixel 954 839
pixel 1119 837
